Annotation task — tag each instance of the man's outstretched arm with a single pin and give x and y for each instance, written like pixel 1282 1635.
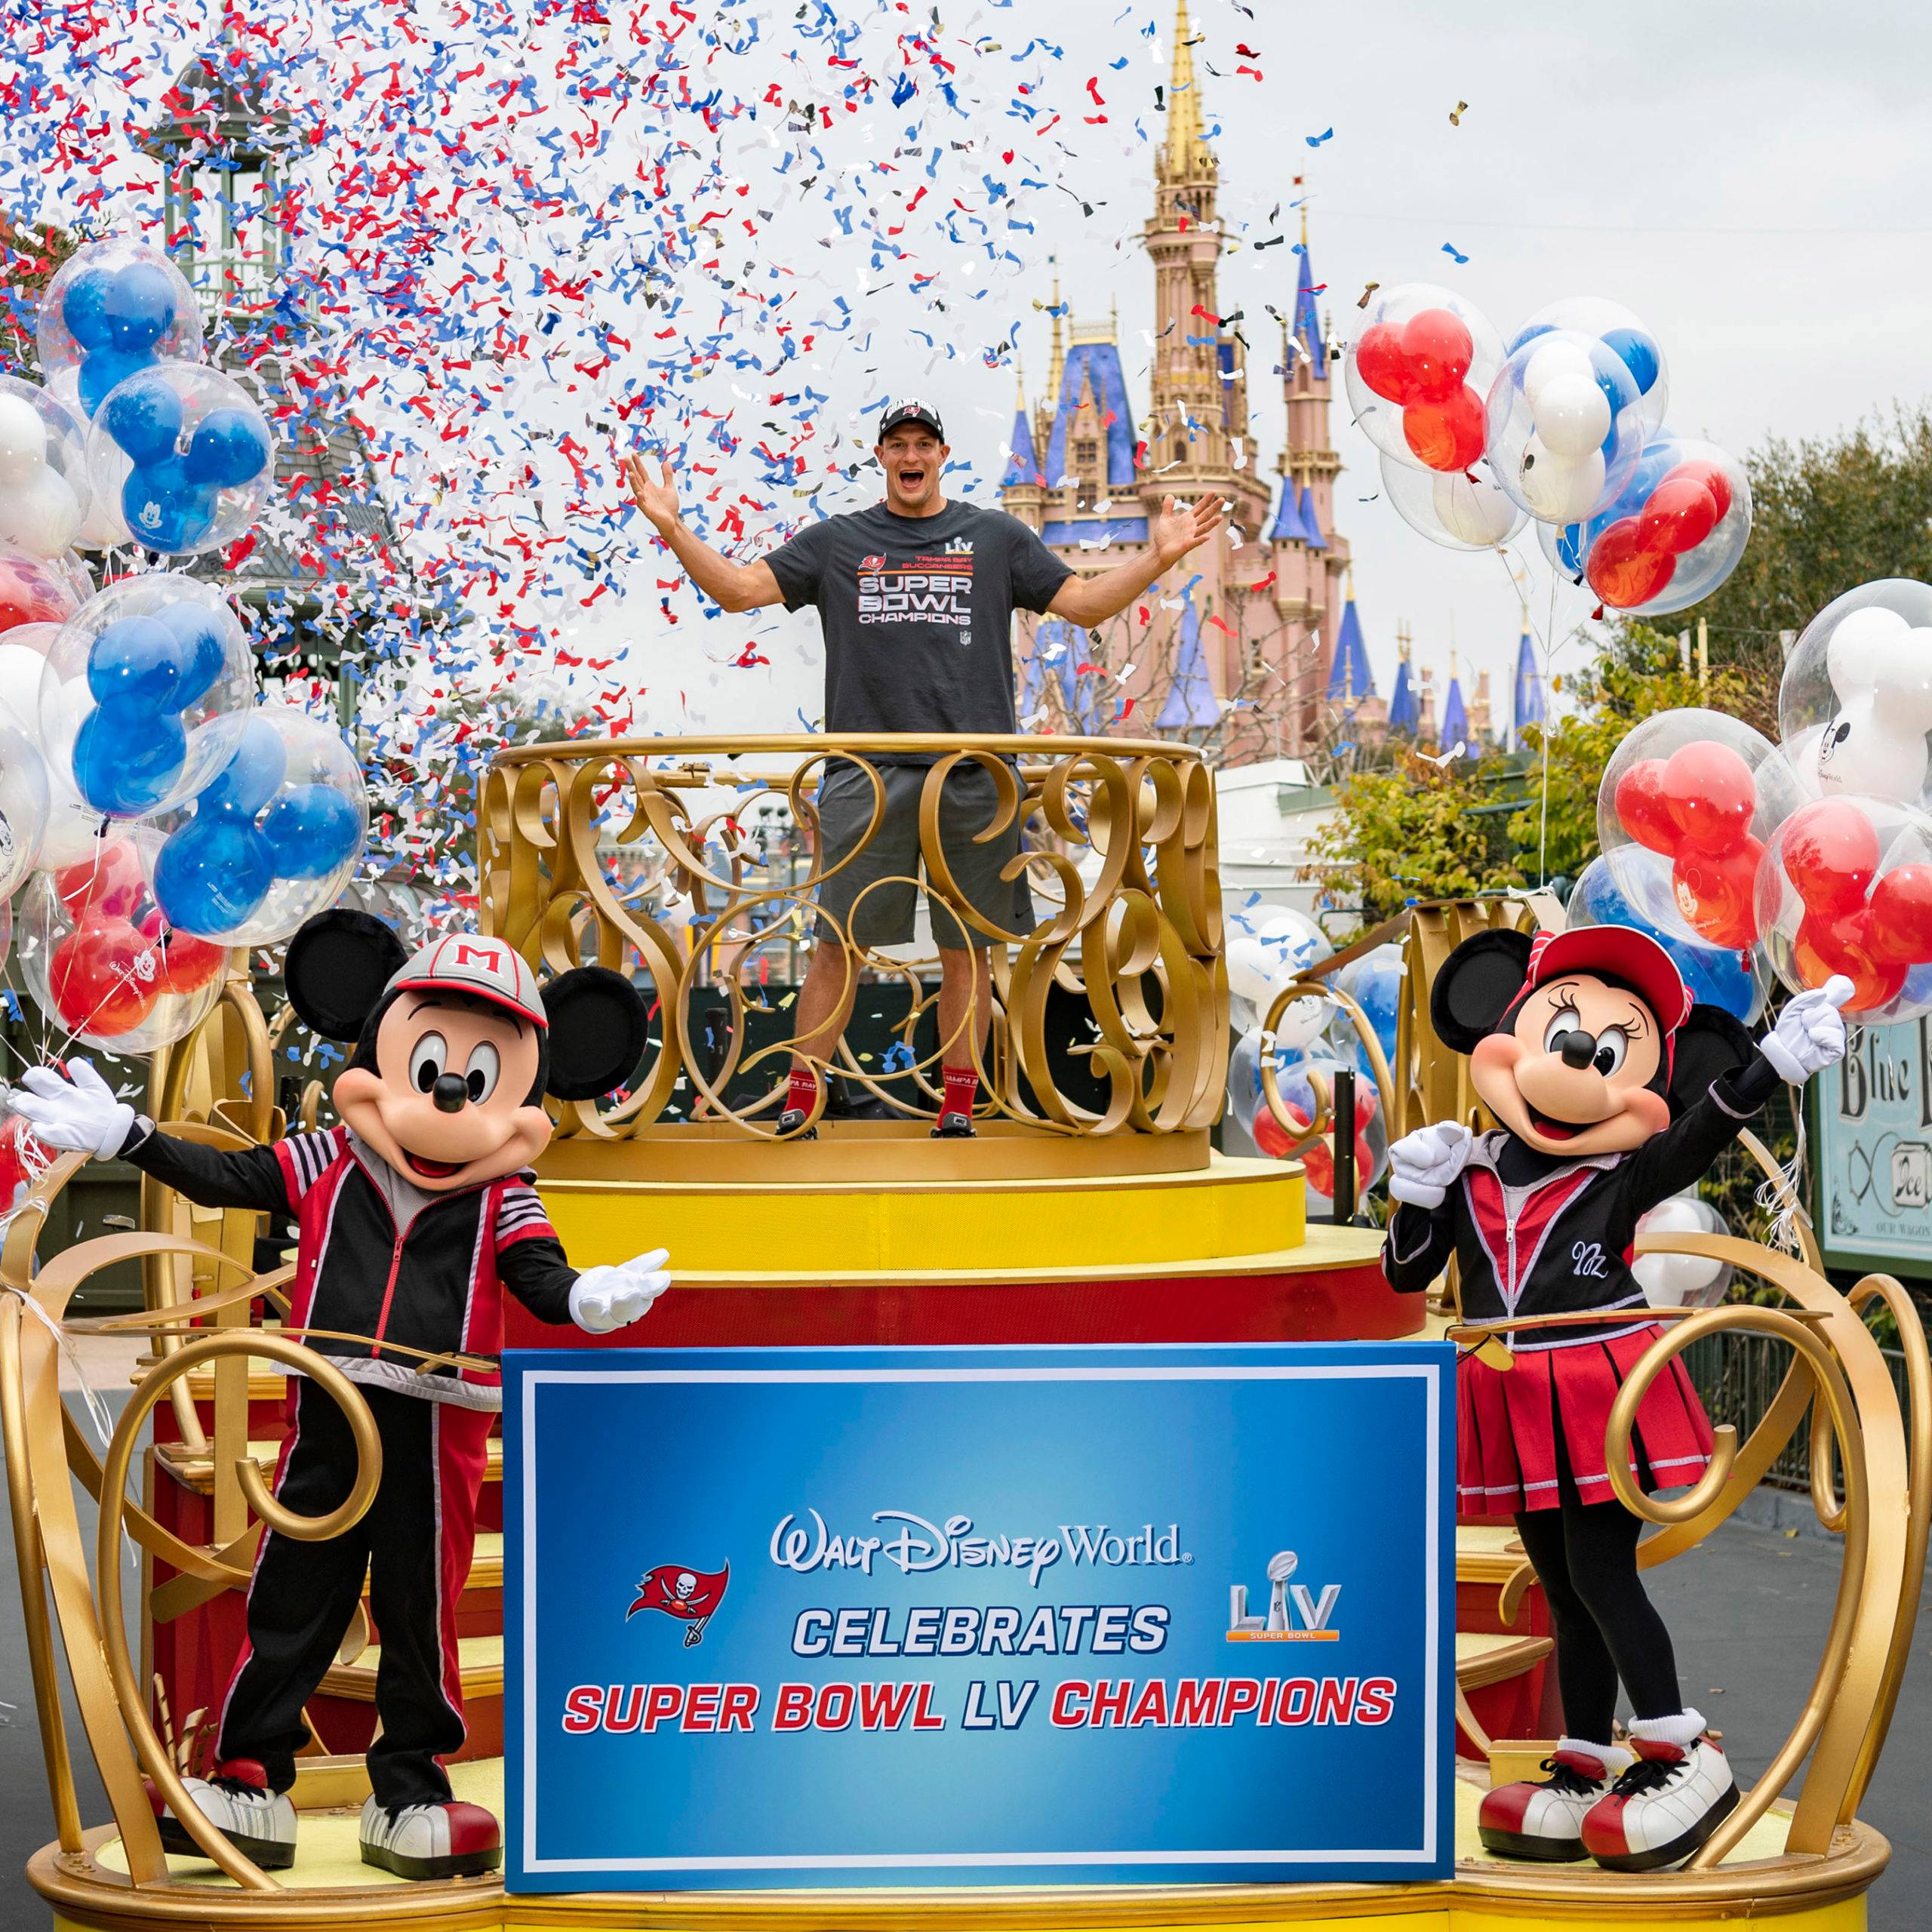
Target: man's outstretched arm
pixel 1179 529
pixel 733 586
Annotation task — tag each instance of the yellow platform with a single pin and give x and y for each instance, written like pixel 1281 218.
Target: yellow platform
pixel 331 1890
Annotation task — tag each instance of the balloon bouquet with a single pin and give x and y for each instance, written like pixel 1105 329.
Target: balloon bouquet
pixel 153 814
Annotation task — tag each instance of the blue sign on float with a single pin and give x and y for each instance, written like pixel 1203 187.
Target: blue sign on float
pixel 919 1616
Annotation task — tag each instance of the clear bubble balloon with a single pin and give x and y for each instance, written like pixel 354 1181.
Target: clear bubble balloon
pixel 1855 707
pixel 45 493
pixel 1600 319
pixel 100 962
pixel 1681 1281
pixel 1268 947
pixel 1462 512
pixel 145 694
pixel 34 590
pixel 185 453
pixel 273 839
pixel 1736 979
pixel 1374 982
pixel 23 805
pixel 1845 887
pixel 1294 1077
pixel 1564 427
pixel 23 661
pixel 117 306
pixel 1705 791
pixel 1417 374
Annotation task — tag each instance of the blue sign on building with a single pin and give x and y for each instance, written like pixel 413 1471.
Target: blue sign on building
pixel 1076 1616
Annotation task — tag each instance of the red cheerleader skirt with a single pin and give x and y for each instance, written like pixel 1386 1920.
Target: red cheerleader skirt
pixel 1507 1422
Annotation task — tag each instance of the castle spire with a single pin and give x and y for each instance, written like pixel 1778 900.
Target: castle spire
pixel 1056 362
pixel 1184 151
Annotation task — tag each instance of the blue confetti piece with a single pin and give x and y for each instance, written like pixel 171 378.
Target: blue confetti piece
pixel 1316 140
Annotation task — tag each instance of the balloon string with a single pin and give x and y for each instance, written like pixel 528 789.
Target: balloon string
pixel 1778 1194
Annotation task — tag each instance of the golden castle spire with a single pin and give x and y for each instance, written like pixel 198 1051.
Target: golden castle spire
pixel 1184 152
pixel 1056 365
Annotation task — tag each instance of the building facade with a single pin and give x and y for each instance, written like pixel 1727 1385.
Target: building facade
pixel 1237 648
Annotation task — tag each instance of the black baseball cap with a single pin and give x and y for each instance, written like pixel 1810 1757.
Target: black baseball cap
pixel 910 410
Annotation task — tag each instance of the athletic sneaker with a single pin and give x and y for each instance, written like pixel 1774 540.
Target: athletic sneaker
pixel 1663 1807
pixel 1543 1818
pixel 956 1127
pixel 236 1800
pixel 452 1840
pixel 791 1119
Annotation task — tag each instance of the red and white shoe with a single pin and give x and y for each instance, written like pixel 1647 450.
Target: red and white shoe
pixel 236 1800
pixel 1667 1804
pixel 448 1841
pixel 1543 1818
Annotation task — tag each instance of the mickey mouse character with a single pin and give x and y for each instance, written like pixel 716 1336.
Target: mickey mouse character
pixel 1614 1091
pixel 413 1216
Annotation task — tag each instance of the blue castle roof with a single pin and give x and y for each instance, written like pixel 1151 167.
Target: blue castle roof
pixel 1311 523
pixel 1307 322
pixel 1350 679
pixel 1529 707
pixel 1190 700
pixel 1455 716
pixel 1405 714
pixel 1099 362
pixel 1022 466
pixel 1289 527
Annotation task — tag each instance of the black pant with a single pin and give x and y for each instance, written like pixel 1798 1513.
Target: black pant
pixel 413 1545
pixel 1585 1559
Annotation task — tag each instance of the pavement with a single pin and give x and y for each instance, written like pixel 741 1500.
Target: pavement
pixel 1748 1610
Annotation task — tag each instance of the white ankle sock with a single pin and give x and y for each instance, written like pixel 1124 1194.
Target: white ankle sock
pixel 1683 1730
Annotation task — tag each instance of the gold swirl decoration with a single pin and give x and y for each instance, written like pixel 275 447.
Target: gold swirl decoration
pixel 587 847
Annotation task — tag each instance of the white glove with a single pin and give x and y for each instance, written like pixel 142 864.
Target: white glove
pixel 607 1298
pixel 1810 1034
pixel 1423 1164
pixel 80 1114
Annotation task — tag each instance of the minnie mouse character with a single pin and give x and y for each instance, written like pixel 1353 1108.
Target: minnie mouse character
pixel 413 1216
pixel 1614 1091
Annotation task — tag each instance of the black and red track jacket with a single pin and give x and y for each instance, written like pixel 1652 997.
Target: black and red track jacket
pixel 1534 1234
pixel 389 1262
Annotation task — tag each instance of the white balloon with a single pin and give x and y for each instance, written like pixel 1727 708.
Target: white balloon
pixel 1477 513
pixel 73 828
pixel 1573 415
pixel 41 518
pixel 1301 1021
pixel 21 669
pixel 23 441
pixel 1870 750
pixel 1251 970
pixel 1559 489
pixel 1559 361
pixel 1679 1280
pixel 1864 643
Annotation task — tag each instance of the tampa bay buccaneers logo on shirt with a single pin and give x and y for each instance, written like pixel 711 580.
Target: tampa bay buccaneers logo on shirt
pixel 922 590
pixel 692 1596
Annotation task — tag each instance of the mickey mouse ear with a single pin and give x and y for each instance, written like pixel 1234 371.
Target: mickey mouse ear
pixel 597 1026
pixel 338 964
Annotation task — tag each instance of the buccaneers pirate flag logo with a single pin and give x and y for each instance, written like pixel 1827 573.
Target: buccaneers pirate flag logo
pixel 692 1596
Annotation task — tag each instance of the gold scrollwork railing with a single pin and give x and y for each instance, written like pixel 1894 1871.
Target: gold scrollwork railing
pixel 585 845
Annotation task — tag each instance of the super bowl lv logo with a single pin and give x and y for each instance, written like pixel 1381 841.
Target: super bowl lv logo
pixel 692 1596
pixel 1287 1603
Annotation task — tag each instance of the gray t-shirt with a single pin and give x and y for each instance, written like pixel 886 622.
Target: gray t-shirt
pixel 917 613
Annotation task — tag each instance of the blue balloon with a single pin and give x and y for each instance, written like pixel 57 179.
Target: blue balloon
pixel 253 777
pixel 136 662
pixel 104 371
pixel 213 872
pixel 1917 990
pixel 127 757
pixel 1638 354
pixel 313 829
pixel 164 510
pixel 1528 334
pixel 140 308
pixel 84 308
pixel 230 447
pixel 1570 548
pixel 145 419
pixel 1715 976
pixel 204 649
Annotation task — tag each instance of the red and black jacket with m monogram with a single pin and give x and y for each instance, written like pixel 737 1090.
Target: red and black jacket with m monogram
pixel 1534 1234
pixel 384 1264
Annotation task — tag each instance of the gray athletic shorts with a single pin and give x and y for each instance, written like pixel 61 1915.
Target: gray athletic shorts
pixel 968 805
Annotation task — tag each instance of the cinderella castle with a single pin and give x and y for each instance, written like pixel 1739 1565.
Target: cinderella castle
pixel 1261 649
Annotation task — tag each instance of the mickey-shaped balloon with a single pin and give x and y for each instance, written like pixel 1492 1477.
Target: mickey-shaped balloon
pixel 117 306
pixel 1874 743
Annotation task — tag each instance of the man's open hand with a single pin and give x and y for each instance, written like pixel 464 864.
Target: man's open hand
pixel 1181 528
pixel 657 496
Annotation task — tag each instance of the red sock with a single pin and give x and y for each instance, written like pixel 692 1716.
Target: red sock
pixel 962 1089
pixel 803 1092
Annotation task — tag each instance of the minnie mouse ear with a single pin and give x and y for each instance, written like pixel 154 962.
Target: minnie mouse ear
pixel 338 964
pixel 1474 987
pixel 597 1031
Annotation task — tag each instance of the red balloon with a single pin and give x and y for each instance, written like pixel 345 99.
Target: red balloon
pixel 1437 347
pixel 1381 363
pixel 1717 892
pixel 23 1160
pixel 30 593
pixel 1679 514
pixel 104 977
pixel 1902 916
pixel 1710 475
pixel 1448 435
pixel 1709 794
pixel 109 882
pixel 1621 571
pixel 1830 852
pixel 1269 1135
pixel 1319 1163
pixel 1642 810
pixel 1828 944
pixel 186 962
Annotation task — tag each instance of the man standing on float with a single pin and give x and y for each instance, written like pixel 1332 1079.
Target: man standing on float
pixel 916 597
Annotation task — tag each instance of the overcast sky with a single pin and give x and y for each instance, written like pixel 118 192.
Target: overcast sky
pixel 1748 179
